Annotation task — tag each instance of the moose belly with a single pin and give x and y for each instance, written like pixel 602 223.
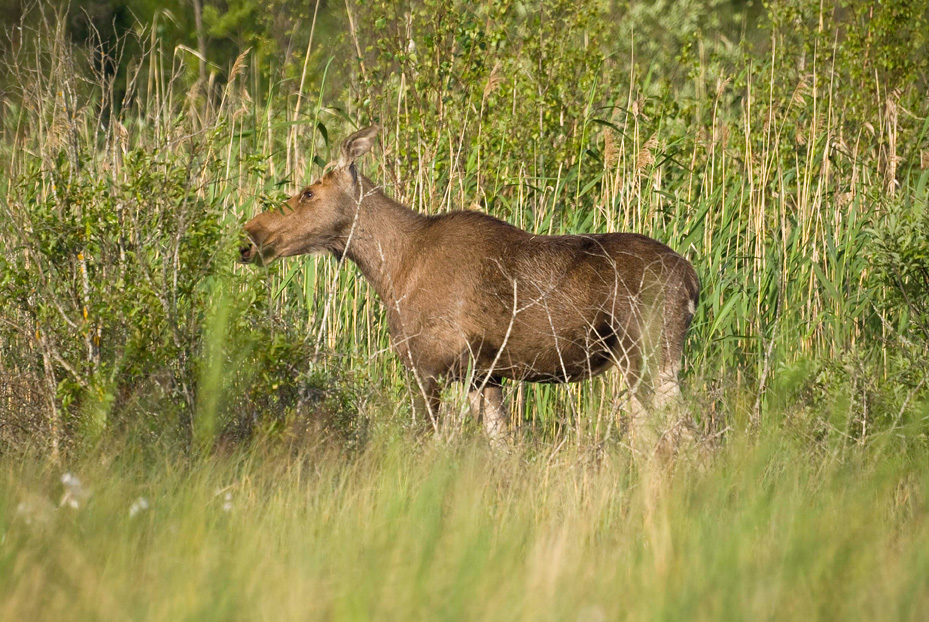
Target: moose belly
pixel 543 358
pixel 566 364
pixel 550 344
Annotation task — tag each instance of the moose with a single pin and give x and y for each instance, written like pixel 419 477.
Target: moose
pixel 471 298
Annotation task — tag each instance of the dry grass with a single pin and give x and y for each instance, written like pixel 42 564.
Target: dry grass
pixel 765 529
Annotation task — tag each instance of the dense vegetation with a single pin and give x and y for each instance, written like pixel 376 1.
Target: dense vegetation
pixel 782 147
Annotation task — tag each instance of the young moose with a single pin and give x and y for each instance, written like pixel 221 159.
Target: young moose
pixel 471 298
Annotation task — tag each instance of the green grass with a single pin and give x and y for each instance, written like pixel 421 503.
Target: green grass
pixel 762 529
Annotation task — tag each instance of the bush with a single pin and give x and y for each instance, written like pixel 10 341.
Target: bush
pixel 121 292
pixel 901 267
pixel 124 307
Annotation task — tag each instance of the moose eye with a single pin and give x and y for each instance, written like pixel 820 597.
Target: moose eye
pixel 307 195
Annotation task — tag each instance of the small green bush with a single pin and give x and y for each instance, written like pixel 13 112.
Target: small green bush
pixel 121 291
pixel 901 254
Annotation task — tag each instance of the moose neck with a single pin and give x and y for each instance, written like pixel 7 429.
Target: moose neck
pixel 382 239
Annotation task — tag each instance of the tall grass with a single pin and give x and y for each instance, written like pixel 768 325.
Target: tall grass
pixel 767 530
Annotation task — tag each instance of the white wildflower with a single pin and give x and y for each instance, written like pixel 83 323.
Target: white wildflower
pixel 74 493
pixel 139 505
pixel 226 493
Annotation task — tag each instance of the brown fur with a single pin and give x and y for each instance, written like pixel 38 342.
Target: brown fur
pixel 472 298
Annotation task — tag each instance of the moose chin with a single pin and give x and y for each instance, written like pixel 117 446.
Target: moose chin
pixel 471 298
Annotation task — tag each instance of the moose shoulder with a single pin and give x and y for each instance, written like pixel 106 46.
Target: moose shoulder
pixel 472 298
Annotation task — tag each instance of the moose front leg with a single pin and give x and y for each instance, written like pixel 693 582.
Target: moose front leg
pixel 486 401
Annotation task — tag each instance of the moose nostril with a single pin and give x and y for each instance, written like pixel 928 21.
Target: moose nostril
pixel 246 253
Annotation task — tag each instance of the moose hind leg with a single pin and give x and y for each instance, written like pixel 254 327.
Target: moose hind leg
pixel 678 432
pixel 667 387
pixel 487 405
pixel 679 311
pixel 639 425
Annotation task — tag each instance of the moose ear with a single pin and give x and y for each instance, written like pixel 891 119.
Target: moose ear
pixel 357 145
